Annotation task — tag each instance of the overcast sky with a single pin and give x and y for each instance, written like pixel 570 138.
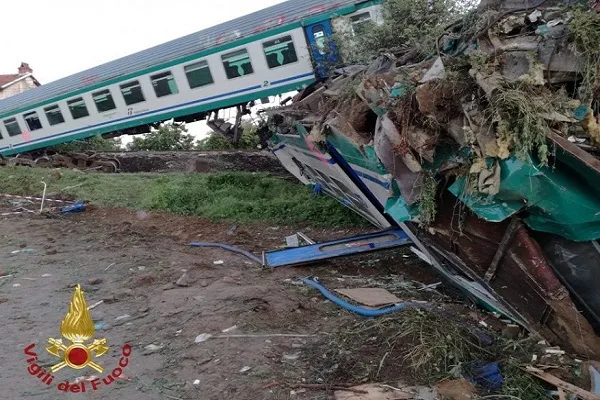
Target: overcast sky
pixel 60 37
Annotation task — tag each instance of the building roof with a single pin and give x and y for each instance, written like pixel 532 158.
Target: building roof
pixel 279 14
pixel 4 79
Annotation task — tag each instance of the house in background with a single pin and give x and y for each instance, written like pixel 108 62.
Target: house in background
pixel 16 83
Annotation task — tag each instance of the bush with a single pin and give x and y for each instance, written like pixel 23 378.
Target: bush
pixel 216 141
pixel 169 137
pixel 94 143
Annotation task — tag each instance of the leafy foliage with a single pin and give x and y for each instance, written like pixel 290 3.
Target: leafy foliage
pixel 585 31
pixel 94 143
pixel 169 137
pixel 406 24
pixel 216 141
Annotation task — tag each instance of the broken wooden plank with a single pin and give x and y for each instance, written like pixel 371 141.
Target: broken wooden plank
pixel 586 158
pixel 559 383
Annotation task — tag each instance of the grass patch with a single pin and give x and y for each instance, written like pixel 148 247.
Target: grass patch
pixel 422 348
pixel 238 196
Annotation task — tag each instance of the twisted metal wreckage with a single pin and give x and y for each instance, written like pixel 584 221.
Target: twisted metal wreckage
pixel 485 155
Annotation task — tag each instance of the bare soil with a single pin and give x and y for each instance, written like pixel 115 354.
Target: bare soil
pixel 200 161
pixel 131 260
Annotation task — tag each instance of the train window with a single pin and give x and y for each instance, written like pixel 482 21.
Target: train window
pixel 33 121
pixel 78 108
pixel 104 101
pixel 198 74
pixel 237 64
pixel 320 39
pixel 12 127
pixel 280 51
pixel 362 17
pixel 132 93
pixel 164 84
pixel 54 115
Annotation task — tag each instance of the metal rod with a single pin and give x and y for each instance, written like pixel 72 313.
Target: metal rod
pixel 506 239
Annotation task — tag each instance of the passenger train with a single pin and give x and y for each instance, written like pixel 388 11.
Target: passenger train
pixel 276 50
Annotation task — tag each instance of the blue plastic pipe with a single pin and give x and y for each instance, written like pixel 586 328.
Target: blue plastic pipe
pixel 229 248
pixel 365 312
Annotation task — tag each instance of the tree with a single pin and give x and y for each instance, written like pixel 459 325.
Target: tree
pixel 216 141
pixel 94 143
pixel 168 137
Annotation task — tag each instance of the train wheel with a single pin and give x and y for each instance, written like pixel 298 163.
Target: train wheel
pixel 43 162
pixel 109 166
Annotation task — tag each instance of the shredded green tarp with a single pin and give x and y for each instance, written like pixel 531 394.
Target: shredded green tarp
pixel 556 199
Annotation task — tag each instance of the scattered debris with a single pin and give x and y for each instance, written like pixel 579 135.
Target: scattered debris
pixel 22 251
pixel 202 337
pixel 76 207
pixel 96 304
pixel 266 335
pixel 230 329
pixel 290 357
pixel 122 317
pixel 305 238
pixel 450 135
pixel 152 348
pixel 372 297
pixel 184 280
pixel 323 386
pixel 292 241
pixel 458 389
pixel 196 382
pixel 218 262
pixel 231 230
pixel 486 375
pixel 245 369
pixel 559 383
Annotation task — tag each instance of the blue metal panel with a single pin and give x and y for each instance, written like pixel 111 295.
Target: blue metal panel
pixel 337 248
pixel 279 14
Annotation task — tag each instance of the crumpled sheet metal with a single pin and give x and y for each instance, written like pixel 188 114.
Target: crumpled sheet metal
pixel 556 201
pixel 524 278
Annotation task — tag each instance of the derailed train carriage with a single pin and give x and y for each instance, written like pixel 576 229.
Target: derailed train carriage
pixel 269 52
pixel 514 263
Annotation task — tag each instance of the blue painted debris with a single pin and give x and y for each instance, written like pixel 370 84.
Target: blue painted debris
pixel 336 248
pixel 485 375
pixel 76 207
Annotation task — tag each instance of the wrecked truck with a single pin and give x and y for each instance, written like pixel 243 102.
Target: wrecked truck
pixel 486 154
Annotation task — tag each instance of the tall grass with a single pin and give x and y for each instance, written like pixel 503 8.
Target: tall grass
pixel 237 196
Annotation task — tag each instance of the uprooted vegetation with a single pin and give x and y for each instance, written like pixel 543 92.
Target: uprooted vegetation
pixel 423 347
pixel 456 99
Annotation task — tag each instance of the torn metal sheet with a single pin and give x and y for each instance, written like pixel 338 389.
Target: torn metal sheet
pixel 336 248
pixel 548 196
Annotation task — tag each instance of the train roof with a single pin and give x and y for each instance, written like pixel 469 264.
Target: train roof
pixel 280 14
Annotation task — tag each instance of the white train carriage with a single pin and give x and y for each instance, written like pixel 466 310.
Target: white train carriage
pixel 273 51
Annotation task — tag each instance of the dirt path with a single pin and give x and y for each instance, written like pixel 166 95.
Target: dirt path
pixel 130 261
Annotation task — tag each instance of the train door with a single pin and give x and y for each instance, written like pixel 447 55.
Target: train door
pixel 324 52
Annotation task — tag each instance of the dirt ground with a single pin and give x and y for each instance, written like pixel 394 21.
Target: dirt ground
pixel 130 260
pixel 200 161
